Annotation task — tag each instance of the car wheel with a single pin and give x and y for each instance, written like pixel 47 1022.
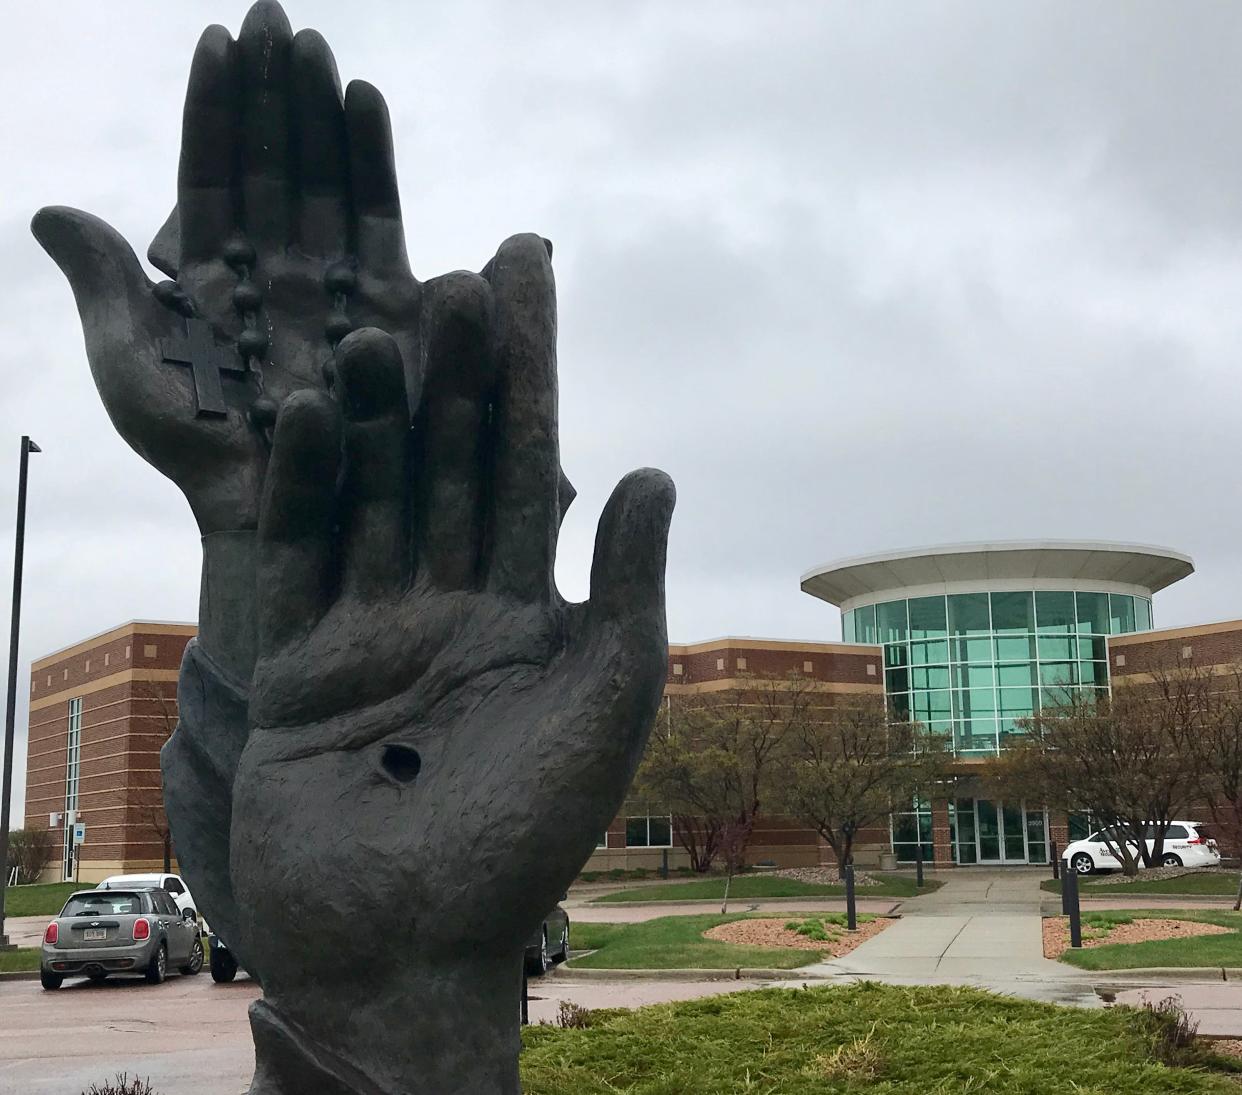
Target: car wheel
pixel 223 966
pixel 196 959
pixel 537 967
pixel 563 956
pixel 50 980
pixel 1170 860
pixel 157 968
pixel 1082 863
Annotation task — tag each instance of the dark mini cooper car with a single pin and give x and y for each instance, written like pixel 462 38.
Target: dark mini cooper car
pixel 549 944
pixel 137 930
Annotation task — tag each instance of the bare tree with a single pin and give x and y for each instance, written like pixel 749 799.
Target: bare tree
pixel 30 851
pixel 850 765
pixel 1123 759
pixel 712 759
pixel 163 719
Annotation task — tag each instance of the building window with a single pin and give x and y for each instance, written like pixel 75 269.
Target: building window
pixel 720 663
pixel 807 667
pixel 649 832
pixel 741 663
pixel 911 827
pixel 72 762
pixel 149 650
pixel 678 669
pixel 603 841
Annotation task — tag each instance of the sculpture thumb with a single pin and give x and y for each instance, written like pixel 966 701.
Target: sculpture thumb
pixel 101 267
pixel 631 549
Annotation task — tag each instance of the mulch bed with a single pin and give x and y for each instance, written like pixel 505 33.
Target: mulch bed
pixel 773 933
pixel 1056 933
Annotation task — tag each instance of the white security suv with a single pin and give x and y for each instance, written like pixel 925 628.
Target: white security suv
pixel 1186 844
pixel 171 884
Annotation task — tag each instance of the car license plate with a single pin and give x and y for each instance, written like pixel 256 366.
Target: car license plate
pixel 95 933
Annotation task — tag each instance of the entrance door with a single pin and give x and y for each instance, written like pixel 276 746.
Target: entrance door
pixel 1000 829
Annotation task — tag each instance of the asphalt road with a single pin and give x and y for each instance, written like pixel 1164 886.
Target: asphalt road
pixel 191 1036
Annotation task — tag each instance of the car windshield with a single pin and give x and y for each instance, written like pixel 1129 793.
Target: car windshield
pixel 99 903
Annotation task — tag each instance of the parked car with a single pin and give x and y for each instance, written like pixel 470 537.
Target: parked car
pixel 1186 844
pixel 549 944
pixel 102 932
pixel 171 884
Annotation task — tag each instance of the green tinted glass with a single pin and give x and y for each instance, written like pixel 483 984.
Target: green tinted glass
pixel 896 654
pixel 1012 675
pixel 1016 703
pixel 968 614
pixel 899 706
pixel 1012 612
pixel 973 676
pixel 973 703
pixel 930 677
pixel 1015 648
pixel 847 626
pixel 971 650
pixel 931 706
pixel 1093 672
pixel 1054 612
pixel 977 736
pixel 927 618
pixel 1057 647
pixel 1058 673
pixel 929 653
pixel 890 618
pixel 1120 614
pixel 1093 613
pixel 1142 614
pixel 864 624
pixel 1052 696
pixel 896 680
pixel 1094 647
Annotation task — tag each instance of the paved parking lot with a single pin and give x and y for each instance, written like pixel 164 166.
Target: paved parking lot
pixel 191 1036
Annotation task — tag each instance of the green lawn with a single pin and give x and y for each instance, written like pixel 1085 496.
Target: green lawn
pixel 45 900
pixel 864 1038
pixel 24 960
pixel 1206 884
pixel 752 886
pixel 676 942
pixel 1203 950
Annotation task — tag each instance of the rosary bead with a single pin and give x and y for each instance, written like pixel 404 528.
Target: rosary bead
pixel 263 411
pixel 337 327
pixel 340 278
pixel 171 295
pixel 246 297
pixel 239 252
pixel 252 343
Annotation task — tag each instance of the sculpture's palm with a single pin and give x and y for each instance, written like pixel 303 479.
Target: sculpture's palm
pixel 288 235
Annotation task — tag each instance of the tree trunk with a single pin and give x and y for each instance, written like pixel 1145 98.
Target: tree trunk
pixel 724 905
pixel 1237 901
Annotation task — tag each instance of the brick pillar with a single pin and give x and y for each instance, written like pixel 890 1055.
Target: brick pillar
pixel 1058 830
pixel 941 833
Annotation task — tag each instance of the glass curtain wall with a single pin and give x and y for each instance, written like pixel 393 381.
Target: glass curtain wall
pixel 969 665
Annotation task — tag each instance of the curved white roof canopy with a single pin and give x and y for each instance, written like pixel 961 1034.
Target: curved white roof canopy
pixel 1137 569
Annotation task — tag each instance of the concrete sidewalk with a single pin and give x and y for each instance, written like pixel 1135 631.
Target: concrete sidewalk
pixel 639 912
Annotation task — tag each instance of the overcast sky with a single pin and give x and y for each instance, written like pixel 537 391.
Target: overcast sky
pixel 859 276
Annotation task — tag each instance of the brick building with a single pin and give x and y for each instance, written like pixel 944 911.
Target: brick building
pixel 99 712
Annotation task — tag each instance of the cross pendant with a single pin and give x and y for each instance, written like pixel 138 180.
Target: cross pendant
pixel 207 360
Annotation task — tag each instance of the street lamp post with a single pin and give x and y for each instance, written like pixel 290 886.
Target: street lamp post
pixel 6 786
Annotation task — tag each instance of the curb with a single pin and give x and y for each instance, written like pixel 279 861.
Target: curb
pixel 564 973
pixel 708 903
pixel 1205 975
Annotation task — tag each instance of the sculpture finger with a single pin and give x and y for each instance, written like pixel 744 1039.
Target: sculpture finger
pixel 370 378
pixel 206 188
pixel 264 47
pixel 321 153
pixel 526 515
pixel 296 518
pixel 379 236
pixel 452 427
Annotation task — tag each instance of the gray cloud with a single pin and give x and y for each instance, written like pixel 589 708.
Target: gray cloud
pixel 858 276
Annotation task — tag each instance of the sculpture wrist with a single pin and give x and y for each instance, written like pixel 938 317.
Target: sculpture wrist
pixel 425 1031
pixel 227 629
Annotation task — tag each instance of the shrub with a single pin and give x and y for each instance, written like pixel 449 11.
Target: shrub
pixel 1171 1029
pixel 30 851
pixel 122 1085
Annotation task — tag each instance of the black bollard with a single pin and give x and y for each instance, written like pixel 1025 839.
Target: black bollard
pixel 851 909
pixel 1055 862
pixel 918 864
pixel 1069 892
pixel 664 864
pixel 525 999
